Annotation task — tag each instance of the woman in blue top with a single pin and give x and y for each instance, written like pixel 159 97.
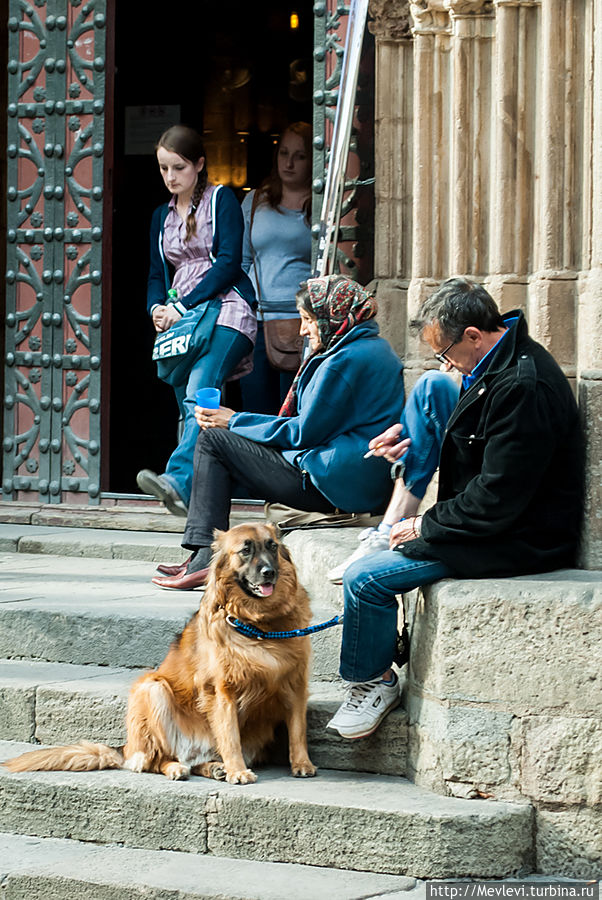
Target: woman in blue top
pixel 311 455
pixel 277 256
pixel 195 250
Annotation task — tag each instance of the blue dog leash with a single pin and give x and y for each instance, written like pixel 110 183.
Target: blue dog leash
pixel 252 631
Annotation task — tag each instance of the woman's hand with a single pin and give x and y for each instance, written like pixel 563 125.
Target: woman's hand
pixel 405 531
pixel 157 317
pixel 171 316
pixel 213 418
pixel 165 316
pixel 389 445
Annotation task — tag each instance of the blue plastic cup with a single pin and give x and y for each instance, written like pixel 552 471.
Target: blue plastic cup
pixel 208 398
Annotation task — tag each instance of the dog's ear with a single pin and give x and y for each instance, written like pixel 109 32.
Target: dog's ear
pixel 284 552
pixel 219 593
pixel 220 558
pixel 216 593
pixel 274 530
pixel 218 537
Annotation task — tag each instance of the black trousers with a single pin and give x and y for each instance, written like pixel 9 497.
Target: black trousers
pixel 222 458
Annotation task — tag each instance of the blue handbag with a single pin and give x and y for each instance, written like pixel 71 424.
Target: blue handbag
pixel 176 350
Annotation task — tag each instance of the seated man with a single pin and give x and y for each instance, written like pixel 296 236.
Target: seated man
pixel 510 488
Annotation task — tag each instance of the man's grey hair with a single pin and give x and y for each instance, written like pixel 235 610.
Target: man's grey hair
pixel 455 305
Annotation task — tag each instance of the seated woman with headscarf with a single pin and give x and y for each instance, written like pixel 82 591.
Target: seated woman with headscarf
pixel 311 455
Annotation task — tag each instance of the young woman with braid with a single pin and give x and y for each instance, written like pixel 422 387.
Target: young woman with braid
pixel 200 259
pixel 277 256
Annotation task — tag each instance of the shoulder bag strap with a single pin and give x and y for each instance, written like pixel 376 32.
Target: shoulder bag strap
pixel 162 217
pixel 254 206
pixel 218 188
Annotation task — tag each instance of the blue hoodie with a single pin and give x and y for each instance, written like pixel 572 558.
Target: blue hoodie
pixel 346 396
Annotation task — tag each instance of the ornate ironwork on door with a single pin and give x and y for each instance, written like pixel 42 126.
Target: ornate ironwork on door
pixel 356 233
pixel 56 94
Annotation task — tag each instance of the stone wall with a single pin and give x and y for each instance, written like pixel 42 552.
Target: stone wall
pixel 504 700
pixel 489 164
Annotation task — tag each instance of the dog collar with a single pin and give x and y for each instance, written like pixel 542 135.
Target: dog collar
pixel 252 631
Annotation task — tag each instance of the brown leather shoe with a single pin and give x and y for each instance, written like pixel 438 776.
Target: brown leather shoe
pixel 174 570
pixel 183 582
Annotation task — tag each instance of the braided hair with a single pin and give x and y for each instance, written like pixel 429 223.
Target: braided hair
pixel 188 144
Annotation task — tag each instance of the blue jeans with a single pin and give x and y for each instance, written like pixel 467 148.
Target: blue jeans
pixel 372 582
pixel 265 388
pixel 425 416
pixel 228 347
pixel 370 622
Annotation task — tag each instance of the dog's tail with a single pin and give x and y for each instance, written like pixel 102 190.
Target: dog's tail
pixel 82 757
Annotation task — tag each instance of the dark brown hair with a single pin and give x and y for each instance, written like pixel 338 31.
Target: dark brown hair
pixel 270 190
pixel 188 144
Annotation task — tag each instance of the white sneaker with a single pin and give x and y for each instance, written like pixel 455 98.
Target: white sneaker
pixel 365 707
pixel 371 541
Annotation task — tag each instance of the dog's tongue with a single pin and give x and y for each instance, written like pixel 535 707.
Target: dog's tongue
pixel 266 589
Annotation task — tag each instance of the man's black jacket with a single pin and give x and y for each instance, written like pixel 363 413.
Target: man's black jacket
pixel 511 470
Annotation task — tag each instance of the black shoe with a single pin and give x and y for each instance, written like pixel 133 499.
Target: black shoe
pixel 151 483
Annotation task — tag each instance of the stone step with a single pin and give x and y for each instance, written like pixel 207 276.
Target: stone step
pixel 373 823
pixel 54 703
pixel 54 869
pixel 136 513
pixel 314 551
pixel 90 611
pixel 159 546
pixel 101 543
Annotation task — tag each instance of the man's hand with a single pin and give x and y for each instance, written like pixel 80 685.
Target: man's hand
pixel 389 445
pixel 213 418
pixel 165 316
pixel 405 531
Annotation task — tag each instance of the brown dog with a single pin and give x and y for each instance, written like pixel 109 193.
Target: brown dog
pixel 212 705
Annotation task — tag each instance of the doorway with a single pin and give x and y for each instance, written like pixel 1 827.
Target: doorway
pixel 235 72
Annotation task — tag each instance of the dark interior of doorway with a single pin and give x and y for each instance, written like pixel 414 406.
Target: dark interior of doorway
pixel 186 56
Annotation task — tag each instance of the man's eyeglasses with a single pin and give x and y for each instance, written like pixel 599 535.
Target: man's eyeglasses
pixel 442 356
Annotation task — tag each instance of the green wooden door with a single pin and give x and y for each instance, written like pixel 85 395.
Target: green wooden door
pixel 55 148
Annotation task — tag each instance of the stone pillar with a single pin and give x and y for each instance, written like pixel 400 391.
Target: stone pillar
pixel 430 238
pixel 589 319
pixel 513 152
pixel 472 29
pixel 552 291
pixel 393 164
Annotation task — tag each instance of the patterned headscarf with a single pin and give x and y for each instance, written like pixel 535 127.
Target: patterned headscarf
pixel 338 304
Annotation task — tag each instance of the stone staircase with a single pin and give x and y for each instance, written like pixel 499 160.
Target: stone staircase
pixel 79 618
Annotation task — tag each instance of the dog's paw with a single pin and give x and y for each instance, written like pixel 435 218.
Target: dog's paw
pixel 245 776
pixel 213 770
pixel 137 762
pixel 176 771
pixel 304 769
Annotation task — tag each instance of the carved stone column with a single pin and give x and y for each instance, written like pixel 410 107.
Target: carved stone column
pixel 431 139
pixel 513 152
pixel 472 30
pixel 589 321
pixel 393 163
pixel 552 291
